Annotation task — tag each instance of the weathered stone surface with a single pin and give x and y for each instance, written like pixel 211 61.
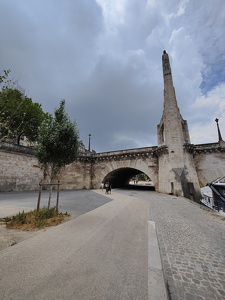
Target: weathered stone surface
pixel 210 163
pixel 19 171
pixel 177 171
pixel 89 172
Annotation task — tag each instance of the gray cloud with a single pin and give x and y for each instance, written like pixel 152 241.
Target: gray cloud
pixel 104 58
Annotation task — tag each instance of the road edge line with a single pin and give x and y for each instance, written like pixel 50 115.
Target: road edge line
pixel 156 282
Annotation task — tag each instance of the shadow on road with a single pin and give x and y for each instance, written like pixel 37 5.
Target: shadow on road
pixel 140 187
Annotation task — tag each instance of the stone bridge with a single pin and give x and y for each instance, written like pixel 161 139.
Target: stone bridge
pixel 119 167
pixel 20 170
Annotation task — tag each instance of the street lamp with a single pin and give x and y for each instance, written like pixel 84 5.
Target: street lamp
pixel 219 133
pixel 89 143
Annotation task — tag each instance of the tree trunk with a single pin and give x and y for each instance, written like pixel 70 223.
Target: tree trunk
pixel 18 138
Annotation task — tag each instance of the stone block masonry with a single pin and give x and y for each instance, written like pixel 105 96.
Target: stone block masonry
pixel 19 171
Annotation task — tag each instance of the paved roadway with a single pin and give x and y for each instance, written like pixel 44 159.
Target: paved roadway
pixel 74 202
pixel 104 253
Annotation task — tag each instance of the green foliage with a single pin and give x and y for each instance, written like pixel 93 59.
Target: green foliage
pixel 142 177
pixel 21 217
pixel 58 142
pixel 18 114
pixel 4 78
pixel 46 213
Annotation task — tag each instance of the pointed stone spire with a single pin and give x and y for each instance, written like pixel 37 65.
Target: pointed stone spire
pixel 172 127
pixel 167 74
pixel 176 166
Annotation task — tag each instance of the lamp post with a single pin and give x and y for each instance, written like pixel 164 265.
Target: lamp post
pixel 89 143
pixel 219 133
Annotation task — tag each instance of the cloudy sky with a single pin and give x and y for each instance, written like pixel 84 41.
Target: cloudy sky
pixel 104 58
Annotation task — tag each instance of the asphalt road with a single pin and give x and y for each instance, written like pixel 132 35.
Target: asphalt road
pixel 75 202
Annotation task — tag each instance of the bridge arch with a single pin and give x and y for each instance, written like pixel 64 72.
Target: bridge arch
pixel 121 177
pixel 121 168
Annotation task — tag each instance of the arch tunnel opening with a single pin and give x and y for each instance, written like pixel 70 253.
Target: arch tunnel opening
pixel 120 178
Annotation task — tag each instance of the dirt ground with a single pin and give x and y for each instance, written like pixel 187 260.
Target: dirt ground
pixel 10 237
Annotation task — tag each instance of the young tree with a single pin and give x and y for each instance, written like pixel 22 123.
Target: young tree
pixel 58 142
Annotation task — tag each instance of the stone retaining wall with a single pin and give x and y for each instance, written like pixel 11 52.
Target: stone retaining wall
pixel 19 171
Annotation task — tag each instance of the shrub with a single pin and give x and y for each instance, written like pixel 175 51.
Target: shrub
pixel 29 221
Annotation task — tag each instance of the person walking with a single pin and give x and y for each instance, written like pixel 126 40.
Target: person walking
pixel 110 187
pixel 107 187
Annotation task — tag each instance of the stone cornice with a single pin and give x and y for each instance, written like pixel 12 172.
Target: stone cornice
pixel 161 150
pixel 189 147
pixel 208 148
pixel 193 149
pixel 131 154
pixel 7 146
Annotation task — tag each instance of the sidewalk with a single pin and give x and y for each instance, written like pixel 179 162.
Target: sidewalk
pixel 192 247
pixel 100 255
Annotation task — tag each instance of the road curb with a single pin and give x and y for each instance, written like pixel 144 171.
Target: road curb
pixel 156 282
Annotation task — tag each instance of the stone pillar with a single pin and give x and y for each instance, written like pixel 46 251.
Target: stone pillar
pixel 177 173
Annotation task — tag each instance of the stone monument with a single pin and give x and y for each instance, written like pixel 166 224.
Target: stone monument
pixel 177 172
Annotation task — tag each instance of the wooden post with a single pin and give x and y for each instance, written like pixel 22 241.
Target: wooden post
pixel 39 196
pixel 57 200
pixel 50 195
pixel 39 199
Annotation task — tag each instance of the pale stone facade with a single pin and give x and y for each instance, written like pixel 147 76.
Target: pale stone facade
pixel 19 171
pixel 117 167
pixel 177 171
pixel 210 162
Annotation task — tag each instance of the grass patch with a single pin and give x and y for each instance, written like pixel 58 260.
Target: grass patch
pixel 28 221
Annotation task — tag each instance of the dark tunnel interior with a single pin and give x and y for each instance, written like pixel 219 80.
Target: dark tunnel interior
pixel 121 177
